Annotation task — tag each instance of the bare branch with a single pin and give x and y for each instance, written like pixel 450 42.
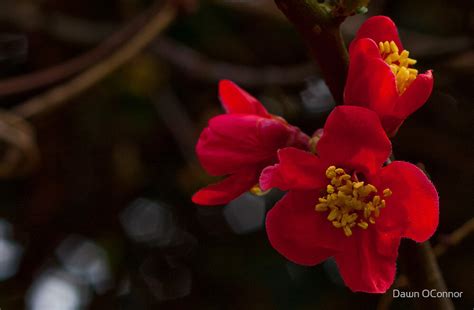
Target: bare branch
pixel 321 31
pixel 69 68
pixel 20 154
pixel 53 98
pixel 200 66
pixel 454 238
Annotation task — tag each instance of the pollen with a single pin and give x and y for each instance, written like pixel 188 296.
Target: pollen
pixel 350 203
pixel 257 191
pixel 399 64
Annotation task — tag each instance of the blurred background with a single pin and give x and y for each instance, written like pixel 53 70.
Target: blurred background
pixel 95 209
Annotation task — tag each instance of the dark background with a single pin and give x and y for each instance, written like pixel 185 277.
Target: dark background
pixel 105 220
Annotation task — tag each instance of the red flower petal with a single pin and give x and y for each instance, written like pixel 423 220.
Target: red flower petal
pixel 413 208
pixel 274 134
pixel 271 177
pixel 354 138
pixel 236 100
pixel 391 124
pixel 231 142
pixel 370 82
pixel 301 234
pixel 226 190
pixel 296 170
pixel 380 29
pixel 415 95
pixel 368 262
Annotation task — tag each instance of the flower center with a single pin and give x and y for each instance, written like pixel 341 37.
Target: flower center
pixel 350 202
pixel 399 63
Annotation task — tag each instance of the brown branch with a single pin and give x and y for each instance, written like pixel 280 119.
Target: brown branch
pixel 386 299
pixel 454 238
pixel 321 31
pixel 261 8
pixel 200 66
pixel 173 114
pixel 423 272
pixel 71 67
pixel 421 269
pixel 20 154
pixel 156 23
pixel 192 62
pixel 450 240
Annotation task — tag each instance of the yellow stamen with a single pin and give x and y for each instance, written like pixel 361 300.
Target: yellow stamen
pixel 349 200
pixel 393 47
pixel 330 189
pixel 399 64
pixel 321 207
pixel 333 214
pixel 257 191
pixel 331 172
pixel 347 231
pixel 381 48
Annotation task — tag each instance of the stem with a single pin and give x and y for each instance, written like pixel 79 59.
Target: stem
pixel 321 31
pixel 455 237
pixel 423 272
pixel 201 67
pixel 158 21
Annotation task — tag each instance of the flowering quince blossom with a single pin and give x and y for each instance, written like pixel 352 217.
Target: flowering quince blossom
pixel 240 144
pixel 343 203
pixel 380 76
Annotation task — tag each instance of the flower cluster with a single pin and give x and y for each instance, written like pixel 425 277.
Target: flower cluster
pixel 240 144
pixel 344 198
pixel 381 77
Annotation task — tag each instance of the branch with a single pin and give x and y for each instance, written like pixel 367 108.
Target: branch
pixel 454 238
pixel 20 152
pixel 261 8
pixel 386 299
pixel 52 99
pixel 321 30
pixel 422 269
pixel 202 67
pixel 450 240
pixel 71 67
pixel 173 114
pixel 423 272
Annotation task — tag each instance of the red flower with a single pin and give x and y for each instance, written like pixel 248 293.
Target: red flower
pixel 380 77
pixel 240 144
pixel 343 203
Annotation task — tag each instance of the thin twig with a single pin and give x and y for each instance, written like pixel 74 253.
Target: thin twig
pixel 450 240
pixel 174 115
pixel 21 152
pixel 387 298
pixel 57 96
pixel 262 8
pixel 423 272
pixel 200 66
pixel 71 67
pixel 454 238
